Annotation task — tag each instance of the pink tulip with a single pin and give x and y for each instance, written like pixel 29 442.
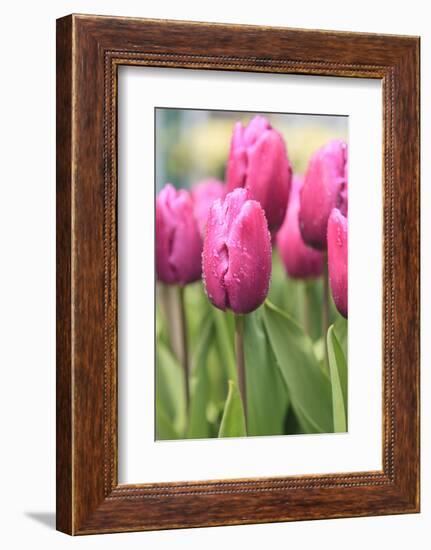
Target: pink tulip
pixel 258 162
pixel 178 241
pixel 343 198
pixel 204 193
pixel 325 188
pixel 337 259
pixel 236 260
pixel 301 261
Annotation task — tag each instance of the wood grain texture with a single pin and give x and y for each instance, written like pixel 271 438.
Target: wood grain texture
pixel 64 497
pixel 89 51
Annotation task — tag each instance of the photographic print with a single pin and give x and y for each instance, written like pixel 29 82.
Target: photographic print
pixel 251 253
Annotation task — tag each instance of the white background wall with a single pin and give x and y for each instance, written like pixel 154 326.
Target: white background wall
pixel 27 272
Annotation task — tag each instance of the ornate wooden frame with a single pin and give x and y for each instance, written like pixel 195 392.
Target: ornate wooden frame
pixel 89 51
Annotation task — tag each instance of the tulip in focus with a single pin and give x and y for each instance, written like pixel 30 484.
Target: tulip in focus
pixel 236 260
pixel 325 188
pixel 301 261
pixel 204 193
pixel 343 202
pixel 338 259
pixel 178 241
pixel 258 162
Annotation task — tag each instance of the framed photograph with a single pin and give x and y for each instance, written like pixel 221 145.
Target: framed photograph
pixel 237 274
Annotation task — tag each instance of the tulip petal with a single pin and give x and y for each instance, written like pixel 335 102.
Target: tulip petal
pixel 325 178
pixel 237 162
pixel 249 251
pixel 255 128
pixel 187 242
pixel 342 203
pixel 164 236
pixel 236 260
pixel 338 259
pixel 258 161
pixel 163 267
pixel 301 261
pixel 178 241
pixel 215 257
pixel 269 175
pixel 204 193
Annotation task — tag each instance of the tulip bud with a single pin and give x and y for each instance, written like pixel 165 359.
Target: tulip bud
pixel 258 162
pixel 338 259
pixel 301 261
pixel 325 188
pixel 236 259
pixel 343 202
pixel 178 241
pixel 204 194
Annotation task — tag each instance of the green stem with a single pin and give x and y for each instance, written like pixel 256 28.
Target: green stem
pixel 325 309
pixel 307 308
pixel 185 350
pixel 240 362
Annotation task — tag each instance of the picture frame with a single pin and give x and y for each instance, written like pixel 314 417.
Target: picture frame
pixel 89 51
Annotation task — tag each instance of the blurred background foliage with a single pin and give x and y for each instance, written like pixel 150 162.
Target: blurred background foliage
pixel 194 144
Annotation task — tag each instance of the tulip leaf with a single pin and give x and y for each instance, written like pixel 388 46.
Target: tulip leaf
pixel 198 424
pixel 338 372
pixel 197 307
pixel 320 353
pixel 224 331
pixel 284 292
pixel 309 389
pixel 170 392
pixel 267 398
pixel 293 426
pixel 340 329
pixel 164 427
pixel 313 296
pixel 217 379
pixel 233 421
pixel 300 299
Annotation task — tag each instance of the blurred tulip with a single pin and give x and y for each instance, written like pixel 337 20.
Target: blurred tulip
pixel 178 241
pixel 338 259
pixel 325 188
pixel 301 261
pixel 204 193
pixel 258 162
pixel 236 260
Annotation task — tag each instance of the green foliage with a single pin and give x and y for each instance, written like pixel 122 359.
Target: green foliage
pixel 224 328
pixel 198 425
pixel 170 395
pixel 233 421
pixel 309 389
pixel 164 425
pixel 340 329
pixel 198 309
pixel 301 299
pixel 267 398
pixel 338 372
pixel 313 296
pixel 289 387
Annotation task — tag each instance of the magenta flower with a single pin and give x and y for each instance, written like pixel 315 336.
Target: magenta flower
pixel 258 162
pixel 236 260
pixel 325 188
pixel 343 197
pixel 204 193
pixel 301 261
pixel 338 259
pixel 178 241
